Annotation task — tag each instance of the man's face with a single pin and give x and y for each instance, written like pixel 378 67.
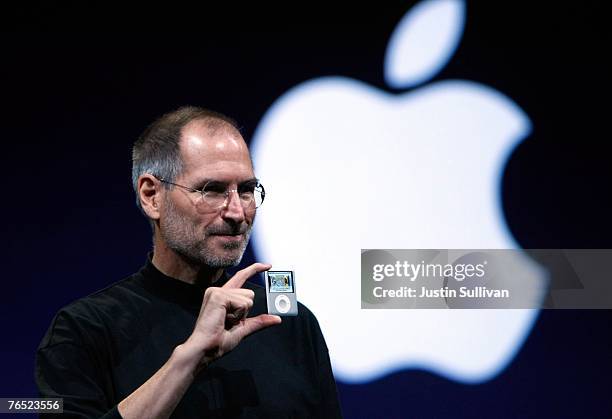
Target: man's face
pixel 216 237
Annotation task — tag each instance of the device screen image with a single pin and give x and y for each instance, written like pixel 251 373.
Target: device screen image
pixel 280 281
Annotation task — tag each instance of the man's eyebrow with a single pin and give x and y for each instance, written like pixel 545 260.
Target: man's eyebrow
pixel 251 180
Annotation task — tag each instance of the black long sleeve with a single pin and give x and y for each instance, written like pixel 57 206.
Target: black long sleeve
pixel 99 349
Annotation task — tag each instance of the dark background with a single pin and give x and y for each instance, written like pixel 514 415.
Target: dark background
pixel 79 85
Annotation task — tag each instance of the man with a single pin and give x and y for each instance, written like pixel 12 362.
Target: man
pixel 175 338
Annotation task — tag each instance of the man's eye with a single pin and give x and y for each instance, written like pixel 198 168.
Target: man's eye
pixel 246 196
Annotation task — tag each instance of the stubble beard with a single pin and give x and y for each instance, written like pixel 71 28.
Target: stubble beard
pixel 182 237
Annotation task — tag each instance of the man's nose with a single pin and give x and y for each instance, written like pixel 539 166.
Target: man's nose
pixel 233 208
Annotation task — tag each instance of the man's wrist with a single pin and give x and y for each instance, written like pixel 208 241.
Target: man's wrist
pixel 188 358
pixel 193 355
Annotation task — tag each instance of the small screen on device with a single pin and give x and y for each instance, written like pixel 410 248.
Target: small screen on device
pixel 280 281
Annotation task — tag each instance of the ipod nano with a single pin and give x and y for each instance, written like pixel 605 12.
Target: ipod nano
pixel 280 293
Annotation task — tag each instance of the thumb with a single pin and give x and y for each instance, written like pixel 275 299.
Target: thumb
pixel 253 324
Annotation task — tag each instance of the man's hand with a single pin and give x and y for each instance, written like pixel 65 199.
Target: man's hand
pixel 221 325
pixel 222 322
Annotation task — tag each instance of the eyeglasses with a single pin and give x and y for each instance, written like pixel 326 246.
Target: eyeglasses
pixel 216 195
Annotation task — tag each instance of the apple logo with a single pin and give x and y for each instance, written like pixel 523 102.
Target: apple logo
pixel 350 167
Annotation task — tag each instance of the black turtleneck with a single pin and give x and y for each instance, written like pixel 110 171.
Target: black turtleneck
pixel 101 348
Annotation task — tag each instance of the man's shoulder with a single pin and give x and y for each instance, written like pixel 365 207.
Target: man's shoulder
pixel 113 294
pixel 77 320
pixel 302 332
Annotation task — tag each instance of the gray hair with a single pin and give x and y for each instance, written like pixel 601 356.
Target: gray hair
pixel 157 150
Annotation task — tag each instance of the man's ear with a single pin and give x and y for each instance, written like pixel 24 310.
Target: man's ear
pixel 149 192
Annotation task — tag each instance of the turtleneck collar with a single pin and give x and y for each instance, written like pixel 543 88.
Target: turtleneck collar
pixel 173 289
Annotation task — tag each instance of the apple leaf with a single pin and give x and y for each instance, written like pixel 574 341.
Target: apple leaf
pixel 423 42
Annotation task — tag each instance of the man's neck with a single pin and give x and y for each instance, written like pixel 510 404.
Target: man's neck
pixel 171 264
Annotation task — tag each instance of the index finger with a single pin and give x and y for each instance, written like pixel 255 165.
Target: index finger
pixel 238 280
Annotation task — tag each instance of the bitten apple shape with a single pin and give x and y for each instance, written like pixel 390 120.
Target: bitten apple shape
pixel 349 167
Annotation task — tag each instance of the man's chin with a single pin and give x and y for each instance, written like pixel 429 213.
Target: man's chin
pixel 230 254
pixel 226 261
pixel 224 251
